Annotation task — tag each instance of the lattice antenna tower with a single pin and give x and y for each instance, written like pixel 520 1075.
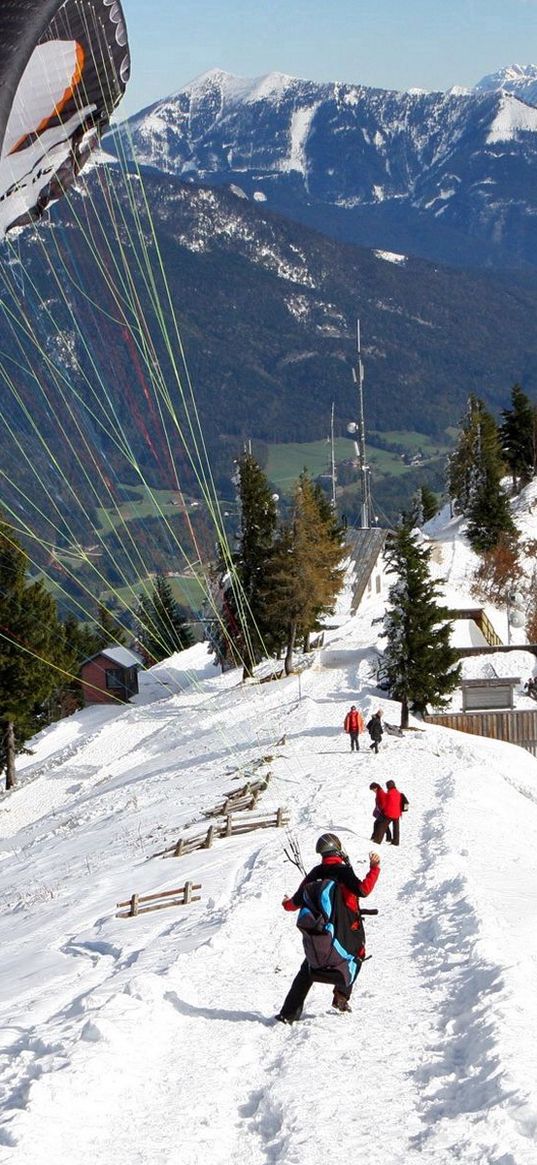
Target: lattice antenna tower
pixel 365 472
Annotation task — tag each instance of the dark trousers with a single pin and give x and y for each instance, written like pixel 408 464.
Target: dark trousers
pixel 375 744
pixel 355 741
pixel 382 828
pixel 303 981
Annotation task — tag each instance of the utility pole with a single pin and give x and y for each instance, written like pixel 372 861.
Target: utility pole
pixel 332 459
pixel 358 377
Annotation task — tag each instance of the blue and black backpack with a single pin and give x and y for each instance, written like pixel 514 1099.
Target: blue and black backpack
pixel 330 935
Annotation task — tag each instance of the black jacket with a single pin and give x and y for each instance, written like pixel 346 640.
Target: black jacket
pixel 375 728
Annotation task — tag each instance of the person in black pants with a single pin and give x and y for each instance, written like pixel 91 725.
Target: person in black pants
pixel 375 730
pixel 334 952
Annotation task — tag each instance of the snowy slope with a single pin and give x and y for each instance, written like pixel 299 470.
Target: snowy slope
pixel 152 1040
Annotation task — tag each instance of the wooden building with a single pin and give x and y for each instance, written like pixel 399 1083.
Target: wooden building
pixel 110 675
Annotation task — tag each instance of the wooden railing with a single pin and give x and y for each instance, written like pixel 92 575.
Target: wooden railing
pixel 229 827
pixel 137 903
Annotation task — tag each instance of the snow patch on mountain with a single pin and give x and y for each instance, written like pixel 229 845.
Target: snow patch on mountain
pixel 513 117
pixel 301 122
pixel 391 257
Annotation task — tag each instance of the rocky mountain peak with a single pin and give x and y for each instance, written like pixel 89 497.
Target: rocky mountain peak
pixel 518 79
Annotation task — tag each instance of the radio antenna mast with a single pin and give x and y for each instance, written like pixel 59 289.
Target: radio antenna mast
pixel 332 459
pixel 365 472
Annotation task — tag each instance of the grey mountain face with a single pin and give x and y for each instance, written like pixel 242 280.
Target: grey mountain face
pixel 449 176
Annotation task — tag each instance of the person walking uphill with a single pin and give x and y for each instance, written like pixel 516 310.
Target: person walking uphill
pixel 395 804
pixel 354 725
pixel 380 801
pixel 331 924
pixel 375 729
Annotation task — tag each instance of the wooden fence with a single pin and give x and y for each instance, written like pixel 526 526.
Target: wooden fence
pixel 239 799
pixel 230 827
pixel 516 727
pixel 137 903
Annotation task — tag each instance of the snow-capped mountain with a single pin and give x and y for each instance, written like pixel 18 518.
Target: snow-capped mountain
pixel 518 79
pixel 451 176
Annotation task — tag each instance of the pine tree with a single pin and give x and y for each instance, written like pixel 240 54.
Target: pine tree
pixel 31 651
pixel 242 633
pixel 475 476
pixel 531 614
pixel 518 435
pixel 429 503
pixel 420 665
pixel 462 461
pixel 304 575
pixel 108 629
pixel 162 626
pixel 81 641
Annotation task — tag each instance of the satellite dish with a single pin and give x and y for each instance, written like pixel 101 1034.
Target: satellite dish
pixel 517 619
pixel 352 427
pixel 275 497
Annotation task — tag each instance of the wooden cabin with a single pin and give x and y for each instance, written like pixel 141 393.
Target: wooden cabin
pixel 109 676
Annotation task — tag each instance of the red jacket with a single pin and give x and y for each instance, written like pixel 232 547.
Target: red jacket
pixel 393 804
pixel 354 722
pixel 380 800
pixel 353 888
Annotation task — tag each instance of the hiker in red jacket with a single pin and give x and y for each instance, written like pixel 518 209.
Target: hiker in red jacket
pixel 395 804
pixel 354 725
pixel 380 801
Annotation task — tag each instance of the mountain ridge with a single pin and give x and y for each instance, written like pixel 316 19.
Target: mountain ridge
pixel 454 173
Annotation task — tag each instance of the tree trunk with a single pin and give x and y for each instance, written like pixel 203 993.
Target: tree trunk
pixel 9 747
pixel 404 712
pixel 288 663
pixel 248 664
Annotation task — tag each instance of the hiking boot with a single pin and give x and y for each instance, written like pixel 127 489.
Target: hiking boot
pixel 291 1018
pixel 340 1002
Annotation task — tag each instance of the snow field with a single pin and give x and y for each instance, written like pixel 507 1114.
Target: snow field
pixel 152 1040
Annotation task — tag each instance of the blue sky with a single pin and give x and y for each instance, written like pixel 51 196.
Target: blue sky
pixel 399 44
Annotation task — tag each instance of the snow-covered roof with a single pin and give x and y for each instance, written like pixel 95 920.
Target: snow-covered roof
pixel 119 655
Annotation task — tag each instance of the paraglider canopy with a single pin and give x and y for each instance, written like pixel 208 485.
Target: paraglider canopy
pixel 64 65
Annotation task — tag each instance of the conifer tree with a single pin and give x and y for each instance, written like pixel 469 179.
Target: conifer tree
pixel 31 648
pixel 420 665
pixel 429 503
pixel 108 629
pixel 242 635
pixel 475 476
pixel 304 573
pixel 162 626
pixel 462 461
pixel 81 641
pixel 518 435
pixel 531 613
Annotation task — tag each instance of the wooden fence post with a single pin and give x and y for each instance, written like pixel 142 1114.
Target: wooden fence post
pixel 134 905
pixel 179 848
pixel 229 828
pixel 279 818
pixel 209 839
pixel 187 892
